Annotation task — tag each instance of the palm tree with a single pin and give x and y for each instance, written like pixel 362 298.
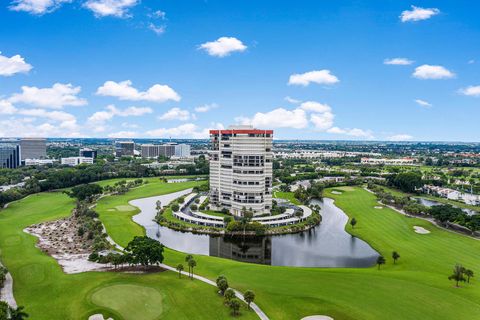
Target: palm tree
pixel 229 295
pixel 18 313
pixel 353 222
pixel 180 269
pixel 192 264
pixel 380 260
pixel 234 305
pixel 469 274
pixel 458 274
pixel 395 256
pixel 222 285
pixel 187 259
pixel 249 296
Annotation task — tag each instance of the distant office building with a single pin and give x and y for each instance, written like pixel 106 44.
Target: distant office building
pixel 33 148
pixel 10 155
pixel 182 150
pixel 241 170
pixel 157 150
pixel 124 148
pixel 75 161
pixel 87 153
pixel 38 162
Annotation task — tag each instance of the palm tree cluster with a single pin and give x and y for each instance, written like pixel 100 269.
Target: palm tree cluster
pixel 461 274
pixel 191 264
pixel 230 296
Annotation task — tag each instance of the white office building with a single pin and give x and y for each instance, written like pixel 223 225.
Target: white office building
pixel 75 161
pixel 241 170
pixel 182 150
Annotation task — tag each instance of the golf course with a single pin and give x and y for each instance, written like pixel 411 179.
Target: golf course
pixel 415 287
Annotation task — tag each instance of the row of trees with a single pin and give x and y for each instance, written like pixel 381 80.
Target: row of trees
pixel 381 259
pixel 461 274
pixel 230 296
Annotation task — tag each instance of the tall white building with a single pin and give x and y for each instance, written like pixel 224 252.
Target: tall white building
pixel 241 169
pixel 75 161
pixel 182 150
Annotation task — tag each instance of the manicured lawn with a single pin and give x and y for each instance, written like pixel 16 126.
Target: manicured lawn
pixel 287 196
pixel 415 288
pixel 48 293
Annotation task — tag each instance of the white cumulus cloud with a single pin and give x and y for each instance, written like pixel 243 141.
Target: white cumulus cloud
pixel 123 134
pixel 316 76
pixel 56 97
pixel 223 46
pixel 13 65
pixel 427 71
pixel 37 7
pixel 473 91
pixel 7 107
pixel 100 117
pixel 354 132
pixel 423 103
pixel 176 114
pixel 277 118
pixel 417 14
pixel 398 61
pixel 206 107
pixel 187 130
pixel 114 8
pixel 124 91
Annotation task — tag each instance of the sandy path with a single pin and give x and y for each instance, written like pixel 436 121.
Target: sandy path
pixel 6 293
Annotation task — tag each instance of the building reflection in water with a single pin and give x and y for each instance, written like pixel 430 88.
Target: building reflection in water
pixel 244 249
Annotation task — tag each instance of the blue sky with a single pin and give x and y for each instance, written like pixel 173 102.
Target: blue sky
pixel 383 70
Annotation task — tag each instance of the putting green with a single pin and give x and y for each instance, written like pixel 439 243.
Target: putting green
pixel 132 302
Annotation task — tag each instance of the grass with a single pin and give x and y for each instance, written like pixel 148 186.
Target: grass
pixel 287 196
pixel 415 288
pixel 48 293
pixel 393 292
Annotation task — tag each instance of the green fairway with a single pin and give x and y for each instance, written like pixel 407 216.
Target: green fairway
pixel 393 292
pixel 287 196
pixel 49 294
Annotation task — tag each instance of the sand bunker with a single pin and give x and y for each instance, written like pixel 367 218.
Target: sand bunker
pixel 98 316
pixel 420 230
pixel 335 192
pixel 317 317
pixel 378 207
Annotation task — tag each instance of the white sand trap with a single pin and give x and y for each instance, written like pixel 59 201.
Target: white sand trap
pixel 98 316
pixel 420 230
pixel 318 317
pixel 334 192
pixel 378 207
pixel 125 208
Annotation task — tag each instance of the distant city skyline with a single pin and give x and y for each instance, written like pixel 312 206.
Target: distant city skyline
pixel 382 70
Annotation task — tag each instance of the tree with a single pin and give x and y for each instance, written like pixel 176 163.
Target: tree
pixel 234 305
pixel 469 274
pixel 395 256
pixel 145 251
pixel 18 313
pixel 159 205
pixel 222 285
pixel 229 295
pixel 85 191
pixel 353 222
pixel 192 264
pixel 249 296
pixel 187 260
pixel 458 274
pixel 180 269
pixel 380 260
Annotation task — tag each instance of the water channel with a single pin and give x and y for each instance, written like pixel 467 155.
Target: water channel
pixel 326 245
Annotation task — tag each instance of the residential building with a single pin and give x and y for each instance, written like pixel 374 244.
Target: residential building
pixel 10 155
pixel 241 170
pixel 87 153
pixel 124 148
pixel 38 162
pixel 75 161
pixel 389 162
pixel 182 150
pixel 157 150
pixel 33 148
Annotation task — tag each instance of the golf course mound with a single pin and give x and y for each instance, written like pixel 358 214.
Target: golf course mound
pixel 125 208
pixel 131 302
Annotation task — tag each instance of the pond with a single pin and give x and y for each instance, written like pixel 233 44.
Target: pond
pixel 430 203
pixel 326 245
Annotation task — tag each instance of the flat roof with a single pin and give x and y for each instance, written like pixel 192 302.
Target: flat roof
pixel 241 131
